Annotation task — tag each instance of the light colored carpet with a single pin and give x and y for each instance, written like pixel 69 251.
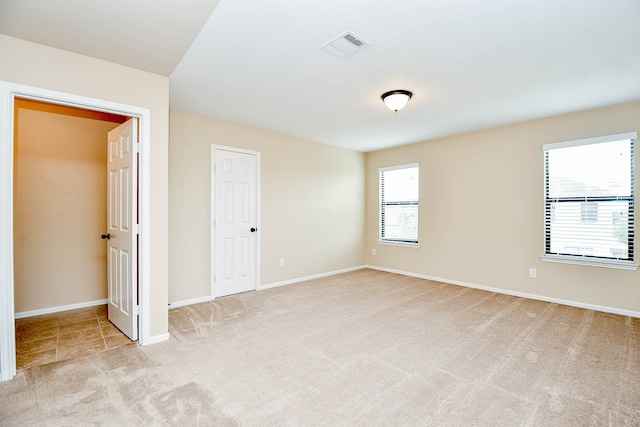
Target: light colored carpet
pixel 365 348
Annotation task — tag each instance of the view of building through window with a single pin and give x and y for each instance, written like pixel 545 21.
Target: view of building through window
pixel 589 200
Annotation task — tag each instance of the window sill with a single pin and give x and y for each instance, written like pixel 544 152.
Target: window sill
pixel 392 243
pixel 565 259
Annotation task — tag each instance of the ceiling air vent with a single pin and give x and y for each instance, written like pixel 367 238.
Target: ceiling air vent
pixel 344 45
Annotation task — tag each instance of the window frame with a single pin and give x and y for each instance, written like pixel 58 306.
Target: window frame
pixel 590 260
pixel 394 241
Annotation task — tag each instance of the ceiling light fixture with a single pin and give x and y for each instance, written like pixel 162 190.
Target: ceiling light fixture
pixel 395 100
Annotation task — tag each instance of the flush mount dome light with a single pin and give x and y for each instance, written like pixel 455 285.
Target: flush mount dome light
pixel 395 100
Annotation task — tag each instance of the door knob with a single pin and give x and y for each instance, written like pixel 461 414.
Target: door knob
pixel 106 236
pixel 253 230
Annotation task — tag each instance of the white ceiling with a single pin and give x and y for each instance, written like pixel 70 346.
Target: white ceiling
pixel 471 65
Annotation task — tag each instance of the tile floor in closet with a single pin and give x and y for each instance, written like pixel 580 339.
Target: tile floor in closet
pixel 64 335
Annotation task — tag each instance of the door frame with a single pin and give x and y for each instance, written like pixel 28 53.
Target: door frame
pixel 8 93
pixel 214 148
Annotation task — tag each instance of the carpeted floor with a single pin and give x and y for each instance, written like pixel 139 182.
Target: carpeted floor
pixel 365 348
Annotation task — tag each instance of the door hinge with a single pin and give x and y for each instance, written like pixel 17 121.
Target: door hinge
pixel 136 310
pixel 136 147
pixel 136 228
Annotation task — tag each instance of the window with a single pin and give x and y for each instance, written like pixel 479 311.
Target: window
pixel 399 204
pixel 589 201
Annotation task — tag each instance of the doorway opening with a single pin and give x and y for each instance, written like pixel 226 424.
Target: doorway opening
pixel 60 211
pixel 9 92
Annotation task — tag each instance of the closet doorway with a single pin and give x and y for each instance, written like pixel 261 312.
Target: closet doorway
pixel 9 92
pixel 60 212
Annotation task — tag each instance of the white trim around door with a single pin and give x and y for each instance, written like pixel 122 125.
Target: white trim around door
pixel 8 93
pixel 258 225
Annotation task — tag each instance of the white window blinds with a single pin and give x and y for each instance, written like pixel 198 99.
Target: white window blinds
pixel 589 198
pixel 399 203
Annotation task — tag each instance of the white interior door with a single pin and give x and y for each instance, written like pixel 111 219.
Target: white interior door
pixel 122 183
pixel 235 222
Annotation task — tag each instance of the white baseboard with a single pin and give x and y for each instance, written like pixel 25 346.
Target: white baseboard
pixel 58 309
pixel 268 286
pixel 156 339
pixel 304 279
pixel 190 301
pixel 513 293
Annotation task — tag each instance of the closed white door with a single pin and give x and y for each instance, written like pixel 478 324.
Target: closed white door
pixel 235 222
pixel 122 183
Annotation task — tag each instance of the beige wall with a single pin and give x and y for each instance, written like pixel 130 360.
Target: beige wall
pixel 60 210
pixel 481 213
pixel 482 210
pixel 312 204
pixel 43 67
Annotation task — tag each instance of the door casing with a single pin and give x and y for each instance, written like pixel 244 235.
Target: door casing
pixel 215 147
pixel 8 93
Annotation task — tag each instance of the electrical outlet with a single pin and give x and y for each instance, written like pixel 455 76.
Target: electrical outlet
pixel 373 251
pixel 282 263
pixel 533 273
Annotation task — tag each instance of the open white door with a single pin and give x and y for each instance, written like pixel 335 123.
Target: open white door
pixel 235 222
pixel 122 223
